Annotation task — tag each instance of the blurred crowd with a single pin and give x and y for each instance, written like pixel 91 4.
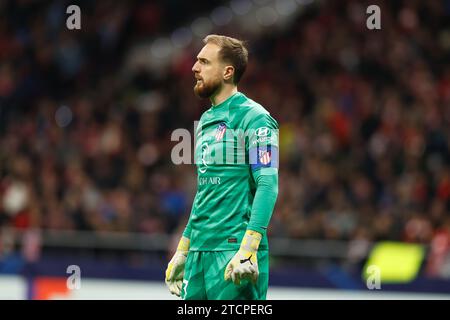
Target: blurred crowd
pixel 364 119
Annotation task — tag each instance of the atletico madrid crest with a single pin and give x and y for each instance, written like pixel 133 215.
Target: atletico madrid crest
pixel 221 131
pixel 264 157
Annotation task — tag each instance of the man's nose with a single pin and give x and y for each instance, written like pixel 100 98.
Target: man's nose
pixel 195 67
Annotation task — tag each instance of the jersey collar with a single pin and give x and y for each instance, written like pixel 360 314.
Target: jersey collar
pixel 226 102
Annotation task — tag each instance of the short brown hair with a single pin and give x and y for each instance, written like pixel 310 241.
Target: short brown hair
pixel 232 51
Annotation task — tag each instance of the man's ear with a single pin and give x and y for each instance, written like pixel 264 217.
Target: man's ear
pixel 228 73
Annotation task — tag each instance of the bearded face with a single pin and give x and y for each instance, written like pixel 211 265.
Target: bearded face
pixel 206 88
pixel 208 71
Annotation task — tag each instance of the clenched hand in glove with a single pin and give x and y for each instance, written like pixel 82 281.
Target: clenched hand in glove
pixel 244 264
pixel 175 268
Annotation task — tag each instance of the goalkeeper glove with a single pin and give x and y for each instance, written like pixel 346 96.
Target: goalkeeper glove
pixel 175 268
pixel 244 264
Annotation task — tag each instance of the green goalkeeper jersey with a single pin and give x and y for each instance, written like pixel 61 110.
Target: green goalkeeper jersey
pixel 236 143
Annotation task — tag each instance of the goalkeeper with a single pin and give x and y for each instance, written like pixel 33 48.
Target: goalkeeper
pixel 223 252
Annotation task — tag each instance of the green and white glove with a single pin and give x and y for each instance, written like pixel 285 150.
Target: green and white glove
pixel 244 264
pixel 175 268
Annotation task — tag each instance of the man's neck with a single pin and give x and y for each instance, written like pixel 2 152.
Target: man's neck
pixel 225 92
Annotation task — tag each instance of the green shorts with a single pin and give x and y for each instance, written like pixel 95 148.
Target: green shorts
pixel 204 278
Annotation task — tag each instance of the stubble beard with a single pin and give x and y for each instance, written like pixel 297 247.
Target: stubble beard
pixel 206 90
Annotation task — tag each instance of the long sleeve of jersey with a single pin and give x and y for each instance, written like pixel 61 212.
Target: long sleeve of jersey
pixel 265 198
pixel 188 229
pixel 263 153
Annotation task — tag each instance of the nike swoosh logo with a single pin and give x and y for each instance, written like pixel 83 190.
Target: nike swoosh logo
pixel 248 259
